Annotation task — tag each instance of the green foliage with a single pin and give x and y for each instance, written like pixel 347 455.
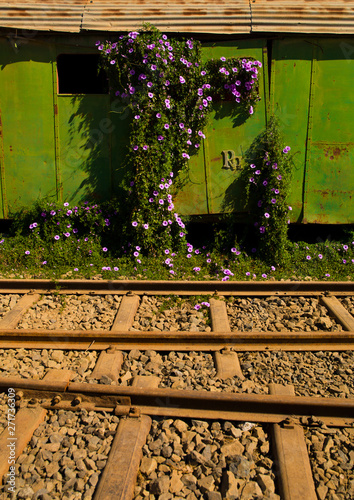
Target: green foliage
pixel 268 184
pixel 161 81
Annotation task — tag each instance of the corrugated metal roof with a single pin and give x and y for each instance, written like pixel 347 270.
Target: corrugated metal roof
pixel 200 16
pixel 306 16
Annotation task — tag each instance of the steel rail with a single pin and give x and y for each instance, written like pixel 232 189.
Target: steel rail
pixel 182 341
pixel 140 287
pixel 187 403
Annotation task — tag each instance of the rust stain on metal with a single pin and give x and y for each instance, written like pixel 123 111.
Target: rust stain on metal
pixel 335 152
pixel 194 12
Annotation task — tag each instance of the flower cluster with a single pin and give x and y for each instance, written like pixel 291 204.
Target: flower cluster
pixel 235 79
pixel 159 225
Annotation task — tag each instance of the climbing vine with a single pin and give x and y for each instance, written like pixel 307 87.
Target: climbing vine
pixel 268 182
pixel 170 94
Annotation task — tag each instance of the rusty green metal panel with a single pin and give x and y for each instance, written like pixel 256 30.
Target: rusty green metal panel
pixel 83 137
pixel 290 83
pixel 311 93
pixel 191 197
pixel 329 185
pixel 84 147
pixel 213 184
pixel 228 131
pixel 26 103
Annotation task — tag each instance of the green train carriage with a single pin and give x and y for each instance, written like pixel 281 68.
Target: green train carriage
pixel 63 137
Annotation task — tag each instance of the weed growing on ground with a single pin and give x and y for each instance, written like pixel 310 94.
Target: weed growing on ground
pixel 31 249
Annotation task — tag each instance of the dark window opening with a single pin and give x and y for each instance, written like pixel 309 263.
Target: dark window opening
pixel 78 74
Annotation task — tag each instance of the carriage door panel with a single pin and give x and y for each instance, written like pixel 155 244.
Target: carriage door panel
pixel 212 184
pixel 329 184
pixel 229 135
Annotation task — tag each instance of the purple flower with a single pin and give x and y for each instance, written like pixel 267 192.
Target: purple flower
pixel 27 252
pixel 196 269
pixel 146 226
pixel 150 95
pixel 52 212
pixel 262 229
pixel 66 204
pixel 182 80
pixel 160 137
pixel 134 224
pixel 251 110
pixel 197 307
pixel 66 234
pixel 264 275
pixel 345 247
pixel 161 202
pixel 286 149
pixel 166 126
pixel 265 183
pixel 308 257
pixel 320 256
pixel 135 148
pixel 273 200
pixel 136 254
pixel 266 215
pixel 165 223
pixel 279 177
pixel 181 126
pixel 185 155
pixel 158 115
pixel 56 237
pixel 327 275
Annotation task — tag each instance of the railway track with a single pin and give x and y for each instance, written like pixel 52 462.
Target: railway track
pixel 186 401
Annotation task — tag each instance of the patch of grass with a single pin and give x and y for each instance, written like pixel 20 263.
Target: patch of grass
pixel 96 250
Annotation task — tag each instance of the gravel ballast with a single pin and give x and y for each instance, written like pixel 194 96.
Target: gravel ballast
pixel 72 312
pixel 331 453
pixel 65 456
pixel 209 460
